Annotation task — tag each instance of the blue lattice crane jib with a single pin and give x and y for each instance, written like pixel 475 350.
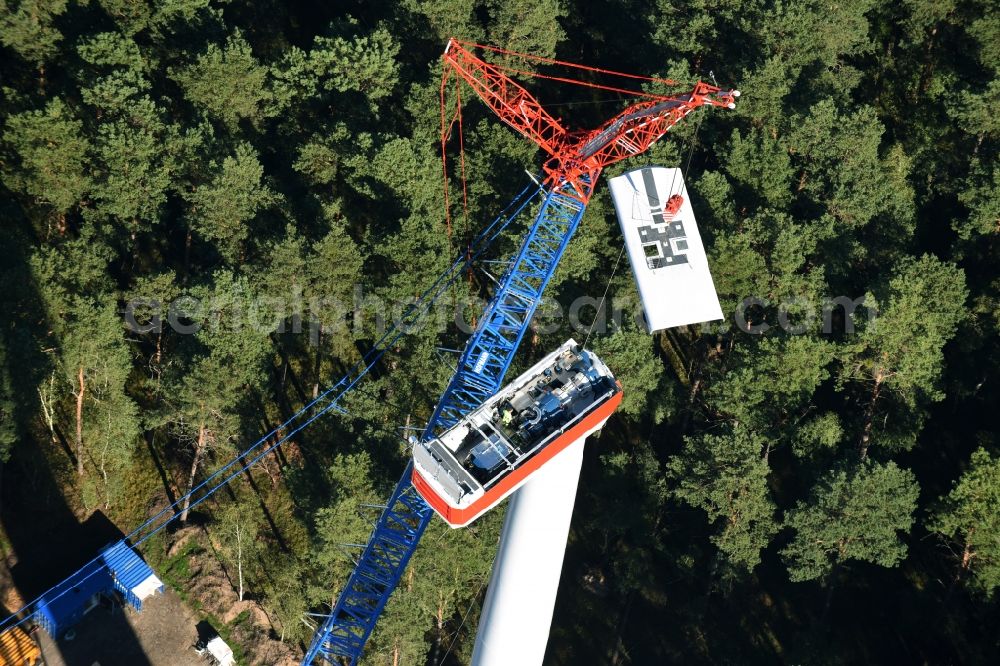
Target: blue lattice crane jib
pixel 480 373
pixel 491 348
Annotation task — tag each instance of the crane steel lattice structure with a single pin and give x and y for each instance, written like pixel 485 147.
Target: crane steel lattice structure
pixel 574 162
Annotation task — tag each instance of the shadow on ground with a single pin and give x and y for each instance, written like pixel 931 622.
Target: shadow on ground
pixel 47 544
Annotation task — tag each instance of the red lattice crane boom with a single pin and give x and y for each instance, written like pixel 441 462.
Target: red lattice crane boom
pixel 576 158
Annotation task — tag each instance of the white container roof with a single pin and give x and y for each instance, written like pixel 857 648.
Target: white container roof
pixel 148 587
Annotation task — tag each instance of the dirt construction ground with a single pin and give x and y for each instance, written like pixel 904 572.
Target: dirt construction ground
pixel 163 634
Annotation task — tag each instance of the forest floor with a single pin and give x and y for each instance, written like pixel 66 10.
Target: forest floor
pixel 194 572
pixel 163 634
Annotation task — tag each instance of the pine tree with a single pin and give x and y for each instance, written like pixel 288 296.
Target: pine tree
pixel 139 156
pixel 363 63
pixel 93 359
pixel 204 397
pixel 901 350
pixel 982 198
pixel 796 365
pixel 227 81
pixel 8 408
pixel 28 27
pixel 341 522
pixel 130 17
pixel 448 18
pixel 967 520
pixel 526 27
pixel 851 514
pixel 445 582
pixel 644 386
pixel 96 365
pixel 727 476
pixel 761 163
pixel 53 166
pixel 224 208
pixel 627 535
pixel 856 189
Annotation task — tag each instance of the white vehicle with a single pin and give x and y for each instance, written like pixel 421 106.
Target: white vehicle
pixel 217 651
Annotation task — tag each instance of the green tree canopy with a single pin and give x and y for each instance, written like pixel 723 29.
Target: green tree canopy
pixel 227 81
pixel 726 475
pixel 902 349
pixel 28 27
pixel 967 519
pixel 851 514
pixel 53 165
pixel 224 207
